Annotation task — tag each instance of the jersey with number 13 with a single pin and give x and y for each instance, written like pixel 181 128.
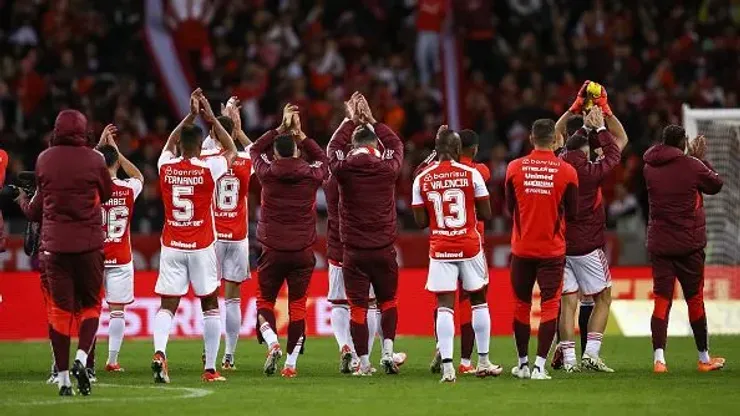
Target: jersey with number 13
pixel 448 190
pixel 188 187
pixel 117 212
pixel 231 200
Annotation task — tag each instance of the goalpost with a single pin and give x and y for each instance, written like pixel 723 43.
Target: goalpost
pixel 721 127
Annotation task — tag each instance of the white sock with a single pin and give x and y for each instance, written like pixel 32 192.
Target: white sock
pixel 268 335
pixel 378 319
pixel 233 324
pixel 658 355
pixel 81 356
pixel 388 346
pixel 340 325
pixel 569 351
pixel 372 329
pixel 593 343
pixel 523 360
pixel 365 361
pixel 464 361
pixel 445 332
pixel 162 327
pixel 482 327
pixel 704 357
pixel 540 362
pixel 211 336
pixel 292 359
pixel 64 378
pixel 116 327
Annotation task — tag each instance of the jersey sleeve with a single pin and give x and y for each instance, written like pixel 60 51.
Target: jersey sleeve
pixel 165 157
pixel 479 186
pixel 218 165
pixel 136 185
pixel 416 199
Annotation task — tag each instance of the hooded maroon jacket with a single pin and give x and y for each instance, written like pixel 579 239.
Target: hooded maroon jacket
pixel 334 249
pixel 72 181
pixel 585 233
pixel 367 187
pixel 675 184
pixel 288 215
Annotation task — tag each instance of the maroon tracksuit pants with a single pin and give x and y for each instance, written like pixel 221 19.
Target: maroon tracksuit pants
pixel 362 268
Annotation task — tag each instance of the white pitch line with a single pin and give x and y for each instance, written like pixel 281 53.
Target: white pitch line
pixel 188 393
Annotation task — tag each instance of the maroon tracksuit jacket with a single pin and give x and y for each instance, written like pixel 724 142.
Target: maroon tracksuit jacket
pixel 675 184
pixel 334 249
pixel 585 233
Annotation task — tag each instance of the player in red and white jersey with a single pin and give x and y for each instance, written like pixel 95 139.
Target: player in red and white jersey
pixel 188 256
pixel 449 198
pixel 230 209
pixel 119 267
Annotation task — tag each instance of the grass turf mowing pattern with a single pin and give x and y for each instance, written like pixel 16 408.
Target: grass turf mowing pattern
pixel 319 389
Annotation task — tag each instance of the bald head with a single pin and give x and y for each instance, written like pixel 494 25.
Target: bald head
pixel 448 145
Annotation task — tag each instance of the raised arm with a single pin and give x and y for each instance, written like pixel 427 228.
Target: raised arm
pixel 392 144
pixel 260 161
pixel 232 111
pixel 223 137
pixel 338 144
pixel 174 138
pixel 710 182
pixel 617 129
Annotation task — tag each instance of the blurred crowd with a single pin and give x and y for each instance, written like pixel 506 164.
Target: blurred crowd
pixel 519 60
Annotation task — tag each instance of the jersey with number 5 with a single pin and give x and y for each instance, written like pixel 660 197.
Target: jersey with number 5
pixel 448 190
pixel 231 200
pixel 188 187
pixel 117 212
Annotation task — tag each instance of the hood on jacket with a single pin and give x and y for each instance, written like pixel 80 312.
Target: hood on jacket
pixel 70 129
pixel 662 154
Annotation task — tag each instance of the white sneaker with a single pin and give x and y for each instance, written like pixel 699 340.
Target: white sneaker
pixel 571 368
pixel 540 374
pixel 363 371
pixel 595 364
pixel 388 364
pixel 488 369
pixel 521 371
pixel 399 358
pixel 448 375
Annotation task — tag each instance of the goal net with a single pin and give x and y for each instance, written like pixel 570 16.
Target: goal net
pixel 721 127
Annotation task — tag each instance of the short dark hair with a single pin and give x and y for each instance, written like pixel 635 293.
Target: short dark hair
pixel 110 154
pixel 191 137
pixel 469 138
pixel 576 142
pixel 364 135
pixel 573 124
pixel 543 132
pixel 448 142
pixel 227 123
pixel 284 145
pixel 674 135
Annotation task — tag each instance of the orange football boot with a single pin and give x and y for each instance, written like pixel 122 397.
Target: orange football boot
pixel 716 363
pixel 660 367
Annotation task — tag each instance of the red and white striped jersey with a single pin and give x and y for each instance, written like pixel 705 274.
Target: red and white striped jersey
pixel 448 190
pixel 117 213
pixel 232 189
pixel 188 187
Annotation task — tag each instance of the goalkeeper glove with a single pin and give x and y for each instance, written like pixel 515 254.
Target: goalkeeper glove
pixel 577 106
pixel 603 102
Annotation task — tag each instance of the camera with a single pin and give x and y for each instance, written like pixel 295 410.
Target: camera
pixel 25 181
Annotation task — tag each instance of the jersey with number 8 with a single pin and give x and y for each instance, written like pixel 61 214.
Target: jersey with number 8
pixel 231 200
pixel 117 212
pixel 187 187
pixel 448 191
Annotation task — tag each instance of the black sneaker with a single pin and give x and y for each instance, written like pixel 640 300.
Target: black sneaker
pixel 83 379
pixel 91 375
pixel 66 391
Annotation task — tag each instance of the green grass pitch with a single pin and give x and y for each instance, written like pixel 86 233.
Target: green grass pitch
pixel 321 390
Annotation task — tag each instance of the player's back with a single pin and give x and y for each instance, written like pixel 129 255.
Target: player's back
pixel 187 187
pixel 540 191
pixel 232 191
pixel 334 250
pixel 117 214
pixel 368 200
pixel 448 190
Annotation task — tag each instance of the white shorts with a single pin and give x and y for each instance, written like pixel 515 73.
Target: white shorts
pixel 336 285
pixel 444 275
pixel 233 260
pixel 119 284
pixel 588 274
pixel 179 269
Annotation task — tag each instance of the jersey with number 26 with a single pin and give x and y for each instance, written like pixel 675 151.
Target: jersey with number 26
pixel 187 187
pixel 117 212
pixel 448 190
pixel 231 200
